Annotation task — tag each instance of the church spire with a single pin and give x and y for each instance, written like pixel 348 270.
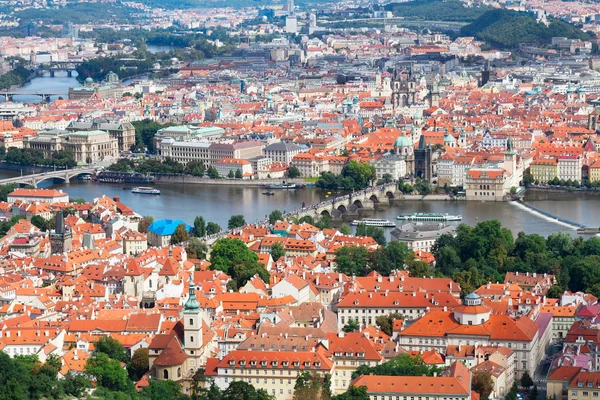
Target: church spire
pixel 192 304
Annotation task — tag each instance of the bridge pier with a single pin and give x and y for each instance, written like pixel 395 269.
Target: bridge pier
pixel 70 73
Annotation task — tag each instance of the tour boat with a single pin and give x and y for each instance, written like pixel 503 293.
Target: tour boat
pixel 430 217
pixel 268 193
pixel 282 186
pixel 386 223
pixel 145 190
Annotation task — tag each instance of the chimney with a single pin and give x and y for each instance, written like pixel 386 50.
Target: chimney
pixel 18 333
pixel 379 278
pixel 391 278
pixel 7 333
pixel 341 334
pixel 75 358
pixel 517 273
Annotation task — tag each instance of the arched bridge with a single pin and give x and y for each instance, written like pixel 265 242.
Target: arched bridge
pixel 64 175
pixel 352 203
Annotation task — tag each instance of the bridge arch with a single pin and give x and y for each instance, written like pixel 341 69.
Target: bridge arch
pixel 374 198
pixel 326 213
pixel 390 195
pixel 358 203
pixel 50 177
pixel 342 208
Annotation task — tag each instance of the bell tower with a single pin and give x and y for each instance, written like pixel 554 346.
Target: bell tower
pixel 192 323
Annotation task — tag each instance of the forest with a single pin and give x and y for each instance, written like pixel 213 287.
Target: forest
pixel 452 10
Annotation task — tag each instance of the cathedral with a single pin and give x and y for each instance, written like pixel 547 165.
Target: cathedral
pixel 404 90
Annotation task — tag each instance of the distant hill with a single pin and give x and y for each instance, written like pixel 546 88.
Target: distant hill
pixel 436 10
pixel 507 29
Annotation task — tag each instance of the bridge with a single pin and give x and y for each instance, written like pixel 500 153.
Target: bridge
pixel 54 66
pixel 64 175
pixel 8 95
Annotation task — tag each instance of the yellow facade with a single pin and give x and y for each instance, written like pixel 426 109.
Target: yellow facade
pixel 544 171
pixel 594 173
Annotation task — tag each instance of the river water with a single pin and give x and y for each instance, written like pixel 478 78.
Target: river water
pixel 60 83
pixel 218 203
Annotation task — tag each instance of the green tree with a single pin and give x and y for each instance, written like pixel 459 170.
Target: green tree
pixel 513 190
pixel 526 380
pixel 418 268
pixel 112 348
pixel 277 251
pixel 293 172
pixel 376 233
pixel 212 173
pixel 144 223
pixel 482 383
pixel 386 322
pixel 351 326
pixel 231 174
pixel 108 373
pixel 352 260
pixel 238 174
pixel 345 229
pixel 212 228
pixel 159 390
pixel 354 393
pixel 275 216
pixel 233 257
pixel 180 235
pixel 403 365
pixel 240 390
pixel 196 249
pixel 5 190
pixel 555 292
pixel 139 364
pixel 199 227
pixel 39 222
pixel 236 221
pixel 397 253
pixel 312 386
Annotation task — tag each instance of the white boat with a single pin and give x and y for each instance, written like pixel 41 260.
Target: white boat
pixel 386 223
pixel 430 217
pixel 145 190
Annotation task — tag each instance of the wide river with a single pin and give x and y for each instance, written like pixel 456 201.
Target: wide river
pixel 218 203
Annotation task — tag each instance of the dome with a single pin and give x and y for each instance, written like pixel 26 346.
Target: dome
pixel 89 79
pixel 403 141
pixel 448 138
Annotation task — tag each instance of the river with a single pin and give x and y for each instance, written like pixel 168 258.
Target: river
pixel 218 203
pixel 58 84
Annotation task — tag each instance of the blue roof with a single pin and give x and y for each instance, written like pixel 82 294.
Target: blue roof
pixel 166 227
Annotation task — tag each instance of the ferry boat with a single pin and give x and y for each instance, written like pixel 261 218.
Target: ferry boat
pixel 282 186
pixel 145 190
pixel 386 223
pixel 430 217
pixel 123 177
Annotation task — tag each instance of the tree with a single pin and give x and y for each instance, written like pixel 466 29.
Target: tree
pixel 397 252
pixel 39 222
pixel 386 322
pixel 277 251
pixel 526 380
pixel 212 228
pixel 345 229
pixel 112 348
pixel 231 174
pixel 78 200
pixel 196 249
pixel 240 390
pixel 403 365
pixel 159 390
pixel 371 231
pixel 513 190
pixel 555 292
pixel 418 268
pixel 482 383
pixel 139 364
pixel 312 386
pixel 144 223
pixel 293 172
pixel 238 174
pixel 236 221
pixel 275 216
pixel 233 257
pixel 212 173
pixel 354 393
pixel 352 260
pixel 351 326
pixel 108 372
pixel 5 190
pixel 180 235
pixel 199 226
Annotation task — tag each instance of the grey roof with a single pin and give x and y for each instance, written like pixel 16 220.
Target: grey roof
pixel 283 146
pixel 419 231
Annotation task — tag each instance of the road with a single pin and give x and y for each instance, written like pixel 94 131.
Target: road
pixel 541 373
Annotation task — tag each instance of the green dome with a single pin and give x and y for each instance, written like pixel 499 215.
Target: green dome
pixel 403 141
pixel 448 138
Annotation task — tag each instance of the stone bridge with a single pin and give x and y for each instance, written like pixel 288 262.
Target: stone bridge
pixel 352 203
pixel 64 175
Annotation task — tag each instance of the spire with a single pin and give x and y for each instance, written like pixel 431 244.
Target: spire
pixel 192 304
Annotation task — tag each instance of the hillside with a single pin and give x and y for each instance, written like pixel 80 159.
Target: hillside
pixel 506 29
pixel 451 10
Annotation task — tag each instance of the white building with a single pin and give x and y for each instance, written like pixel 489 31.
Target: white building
pixel 390 164
pixel 282 152
pixel 569 167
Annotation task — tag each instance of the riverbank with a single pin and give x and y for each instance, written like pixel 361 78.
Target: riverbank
pixel 189 179
pixel 25 169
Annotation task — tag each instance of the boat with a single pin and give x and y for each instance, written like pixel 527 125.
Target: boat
pixel 282 186
pixel 268 193
pixel 85 178
pixel 145 190
pixel 429 217
pixel 123 177
pixel 127 187
pixel 386 223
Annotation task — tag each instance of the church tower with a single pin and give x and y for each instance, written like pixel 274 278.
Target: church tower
pixel 404 90
pixel 192 323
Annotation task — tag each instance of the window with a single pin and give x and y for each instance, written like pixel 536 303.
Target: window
pixel 165 374
pixel 585 394
pixel 179 372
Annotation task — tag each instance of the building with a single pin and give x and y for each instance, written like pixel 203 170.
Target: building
pixel 390 164
pixel 134 242
pixel 486 184
pixel 29 245
pixel 87 146
pixel 544 169
pixel 404 90
pixel 569 168
pixel 61 239
pixel 225 166
pixel 241 150
pixel 282 152
pixel 584 386
pixel 184 152
pixel 160 232
pixel 423 166
pixel 453 383
pixel 50 196
pixel 474 323
pixel 291 24
pixel 124 132
pixel 421 236
pixel 594 172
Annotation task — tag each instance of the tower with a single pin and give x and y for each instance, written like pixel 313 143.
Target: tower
pixel 434 95
pixel 61 240
pixel 192 323
pixel 404 90
pixel 423 167
pixel 593 121
pixel 510 157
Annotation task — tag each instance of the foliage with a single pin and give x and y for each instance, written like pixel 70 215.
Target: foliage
pixel 212 173
pixel 212 228
pixel 199 227
pixel 7 189
pixel 6 225
pixel 385 178
pixel 144 223
pixel 112 348
pixel 236 221
pixel 312 386
pixel 353 393
pixel 451 10
pixel 405 188
pixel 345 229
pixel 403 365
pixel 144 133
pixel 180 234
pixel 507 29
pixel 238 174
pixel 371 231
pixel 526 380
pixel 277 251
pixel 39 222
pixel 233 257
pixel 422 187
pixel 108 373
pixel 196 248
pixel 194 168
pixel 386 322
pixel 159 390
pixel 16 77
pixel 60 158
pixel 352 260
pixel 324 222
pixel 139 364
pixel 354 176
pixel 351 326
pixel 294 172
pixel 482 383
pixel 358 261
pixel 275 216
pixel 241 390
